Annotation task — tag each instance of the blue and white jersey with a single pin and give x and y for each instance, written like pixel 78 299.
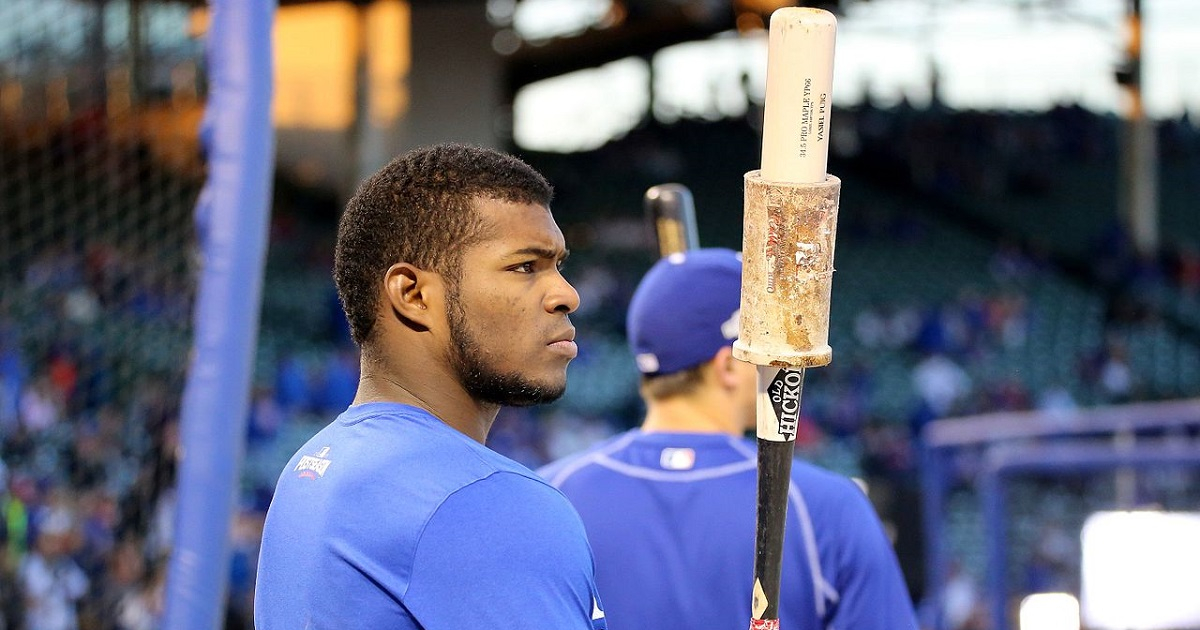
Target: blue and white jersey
pixel 390 519
pixel 671 517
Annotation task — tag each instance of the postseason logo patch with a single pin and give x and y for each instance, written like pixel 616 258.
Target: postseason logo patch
pixel 313 466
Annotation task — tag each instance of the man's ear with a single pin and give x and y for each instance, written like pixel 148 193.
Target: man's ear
pixel 409 291
pixel 725 367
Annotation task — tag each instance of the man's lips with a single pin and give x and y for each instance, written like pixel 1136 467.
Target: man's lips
pixel 565 344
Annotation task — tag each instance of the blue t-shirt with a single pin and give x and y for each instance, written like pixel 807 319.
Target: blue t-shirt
pixel 671 517
pixel 388 518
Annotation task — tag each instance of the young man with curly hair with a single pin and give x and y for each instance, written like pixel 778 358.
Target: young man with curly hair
pixel 396 515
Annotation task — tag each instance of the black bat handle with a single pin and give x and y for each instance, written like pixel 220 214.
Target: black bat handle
pixel 672 212
pixel 778 412
pixel 774 479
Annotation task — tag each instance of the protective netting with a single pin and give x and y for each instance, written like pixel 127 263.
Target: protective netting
pixel 100 168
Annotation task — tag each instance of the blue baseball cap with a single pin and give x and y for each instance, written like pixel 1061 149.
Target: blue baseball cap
pixel 684 310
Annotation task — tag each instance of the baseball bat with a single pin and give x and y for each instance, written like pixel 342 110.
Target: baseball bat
pixel 670 209
pixel 789 227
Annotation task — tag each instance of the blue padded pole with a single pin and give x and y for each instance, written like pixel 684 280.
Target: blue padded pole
pixel 933 510
pixel 995 515
pixel 231 220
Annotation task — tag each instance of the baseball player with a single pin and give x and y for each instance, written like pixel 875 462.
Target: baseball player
pixel 396 515
pixel 669 507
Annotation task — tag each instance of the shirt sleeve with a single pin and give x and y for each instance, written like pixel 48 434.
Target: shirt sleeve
pixel 871 590
pixel 504 552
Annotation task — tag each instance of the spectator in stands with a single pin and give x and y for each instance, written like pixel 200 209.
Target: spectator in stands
pixel 962 604
pixel 1054 558
pixel 871 326
pixel 293 389
pixel 50 579
pixel 11 598
pixel 1116 376
pixel 941 383
pixel 1056 398
pixel 1008 319
pixel 267 416
pixel 1187 270
pixel 41 405
pixel 142 605
pixel 17 503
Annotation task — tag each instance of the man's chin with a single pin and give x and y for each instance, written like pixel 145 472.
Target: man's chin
pixel 535 396
pixel 511 392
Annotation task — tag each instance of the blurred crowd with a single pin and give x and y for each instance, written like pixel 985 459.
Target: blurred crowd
pixel 86 511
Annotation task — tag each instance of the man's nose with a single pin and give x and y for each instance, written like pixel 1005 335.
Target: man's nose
pixel 562 297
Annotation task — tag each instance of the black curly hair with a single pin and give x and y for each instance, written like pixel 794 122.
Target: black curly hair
pixel 420 209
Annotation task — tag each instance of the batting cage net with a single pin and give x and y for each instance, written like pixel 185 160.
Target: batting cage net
pixel 101 168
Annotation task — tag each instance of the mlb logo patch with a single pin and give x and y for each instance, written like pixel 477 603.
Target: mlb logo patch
pixel 677 459
pixel 647 363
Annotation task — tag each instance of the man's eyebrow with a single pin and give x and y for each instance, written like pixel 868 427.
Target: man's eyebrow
pixel 542 252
